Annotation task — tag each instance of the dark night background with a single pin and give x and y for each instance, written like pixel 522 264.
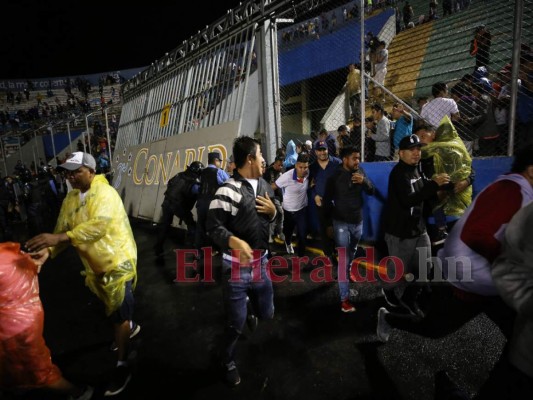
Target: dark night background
pixel 53 38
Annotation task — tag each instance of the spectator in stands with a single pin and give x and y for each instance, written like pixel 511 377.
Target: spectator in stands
pixel 501 109
pixel 325 136
pixel 447 7
pixel 467 109
pixel 343 137
pixel 403 126
pixel 433 10
pixel 382 59
pixel 525 101
pixel 382 135
pixel 408 14
pixel 439 106
pixel 480 46
pixel 484 122
pixel 353 91
pixel 370 144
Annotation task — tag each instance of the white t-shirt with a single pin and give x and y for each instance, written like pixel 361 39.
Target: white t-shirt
pixel 437 108
pixel 294 191
pixel 254 183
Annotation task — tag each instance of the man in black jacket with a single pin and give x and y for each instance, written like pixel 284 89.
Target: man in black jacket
pixel 211 178
pixel 180 197
pixel 238 222
pixel 343 204
pixel 405 229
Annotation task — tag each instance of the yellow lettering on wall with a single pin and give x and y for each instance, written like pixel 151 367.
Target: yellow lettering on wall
pixel 200 153
pixel 163 169
pixel 190 156
pixel 152 160
pixel 136 178
pixel 176 165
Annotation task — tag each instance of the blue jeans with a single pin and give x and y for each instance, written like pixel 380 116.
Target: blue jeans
pixel 346 236
pixel 250 284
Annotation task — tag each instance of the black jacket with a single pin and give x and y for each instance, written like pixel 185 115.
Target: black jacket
pixel 343 199
pixel 232 213
pixel 179 191
pixel 403 212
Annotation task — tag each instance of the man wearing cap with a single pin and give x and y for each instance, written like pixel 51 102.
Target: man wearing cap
pixel 94 221
pixel 319 172
pixel 211 178
pixel 405 230
pixel 230 166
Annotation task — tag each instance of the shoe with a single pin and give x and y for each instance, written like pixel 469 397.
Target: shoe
pixel 290 249
pixel 119 381
pixel 86 395
pixel 383 329
pixel 232 374
pixel 347 306
pixel 134 330
pixel 390 298
pixel 440 238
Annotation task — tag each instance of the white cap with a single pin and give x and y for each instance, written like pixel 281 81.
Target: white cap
pixel 79 159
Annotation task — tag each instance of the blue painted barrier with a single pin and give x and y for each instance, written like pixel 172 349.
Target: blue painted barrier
pixel 487 170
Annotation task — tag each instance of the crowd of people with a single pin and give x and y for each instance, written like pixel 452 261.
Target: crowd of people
pixel 243 211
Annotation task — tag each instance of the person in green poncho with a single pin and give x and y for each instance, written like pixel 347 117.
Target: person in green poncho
pixel 446 153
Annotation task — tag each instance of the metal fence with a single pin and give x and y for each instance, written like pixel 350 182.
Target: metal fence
pixel 422 60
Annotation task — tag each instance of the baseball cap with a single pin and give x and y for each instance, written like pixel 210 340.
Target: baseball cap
pixel 308 143
pixel 79 159
pixel 409 142
pixel 320 144
pixel 215 155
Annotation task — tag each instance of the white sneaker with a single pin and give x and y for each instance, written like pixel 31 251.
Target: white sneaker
pixel 383 329
pixel 290 249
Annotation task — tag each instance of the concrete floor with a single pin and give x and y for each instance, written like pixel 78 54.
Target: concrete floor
pixel 310 350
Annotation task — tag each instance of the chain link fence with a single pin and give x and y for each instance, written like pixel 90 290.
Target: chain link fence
pixel 423 60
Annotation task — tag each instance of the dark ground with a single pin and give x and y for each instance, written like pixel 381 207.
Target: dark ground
pixel 311 350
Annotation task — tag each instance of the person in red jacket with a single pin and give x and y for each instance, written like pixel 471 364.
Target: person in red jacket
pixel 25 361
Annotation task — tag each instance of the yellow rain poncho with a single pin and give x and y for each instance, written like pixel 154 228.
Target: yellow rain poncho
pixel 450 156
pixel 99 229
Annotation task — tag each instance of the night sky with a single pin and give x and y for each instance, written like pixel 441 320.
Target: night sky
pixel 51 38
